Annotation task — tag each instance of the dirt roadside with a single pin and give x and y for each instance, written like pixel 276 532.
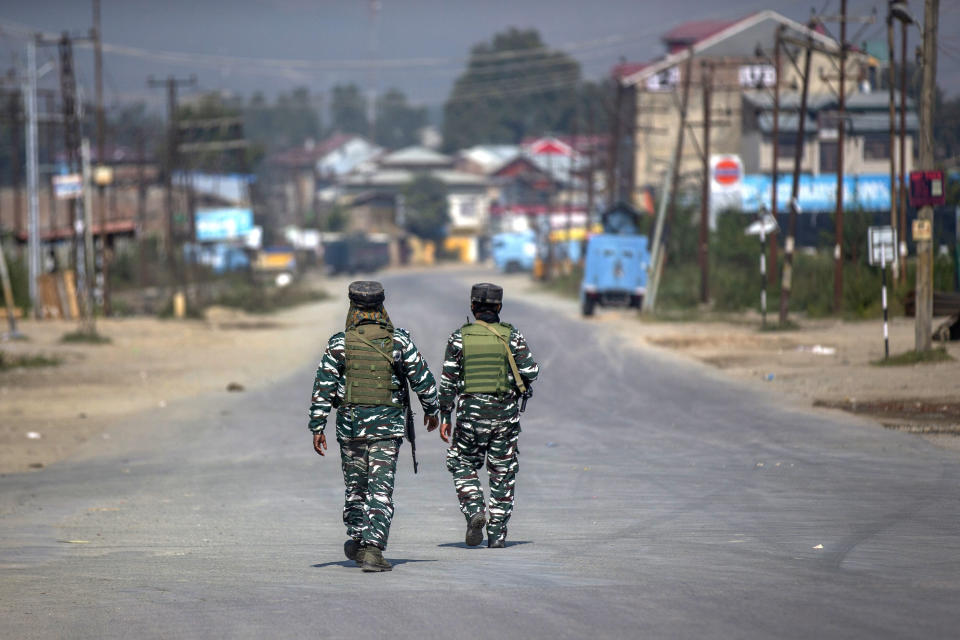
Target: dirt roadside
pixel 823 363
pixel 46 413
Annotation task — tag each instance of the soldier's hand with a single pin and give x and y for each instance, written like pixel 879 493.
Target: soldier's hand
pixel 432 422
pixel 445 432
pixel 319 443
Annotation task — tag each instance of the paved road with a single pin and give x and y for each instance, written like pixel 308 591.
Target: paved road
pixel 654 500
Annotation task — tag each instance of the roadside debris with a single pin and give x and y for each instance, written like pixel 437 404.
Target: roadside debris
pixel 235 386
pixel 818 349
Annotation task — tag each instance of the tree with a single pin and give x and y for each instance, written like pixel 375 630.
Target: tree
pixel 348 110
pixel 425 207
pixel 398 123
pixel 513 87
pixel 292 119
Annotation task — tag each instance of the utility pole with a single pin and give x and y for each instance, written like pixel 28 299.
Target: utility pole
pixel 704 252
pixel 668 198
pixel 141 208
pixel 101 156
pixel 173 139
pixel 613 164
pixel 841 136
pixel 775 172
pixel 71 109
pixel 902 182
pixel 893 129
pixel 33 200
pixel 788 245
pixel 49 131
pixel 15 116
pixel 924 299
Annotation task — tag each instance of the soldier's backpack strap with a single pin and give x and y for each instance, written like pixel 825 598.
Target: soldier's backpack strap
pixel 375 348
pixel 513 363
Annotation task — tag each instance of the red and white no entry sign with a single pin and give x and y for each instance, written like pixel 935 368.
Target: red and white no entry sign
pixel 727 171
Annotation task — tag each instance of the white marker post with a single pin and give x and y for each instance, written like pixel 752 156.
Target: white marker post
pixel 766 224
pixel 881 244
pixel 886 330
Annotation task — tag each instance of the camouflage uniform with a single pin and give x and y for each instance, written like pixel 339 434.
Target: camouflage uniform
pixel 488 426
pixel 369 436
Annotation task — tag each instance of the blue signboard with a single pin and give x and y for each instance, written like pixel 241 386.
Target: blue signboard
pixel 223 224
pixel 817 194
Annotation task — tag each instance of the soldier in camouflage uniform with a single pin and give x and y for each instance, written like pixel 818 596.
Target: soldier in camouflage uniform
pixel 361 375
pixel 478 373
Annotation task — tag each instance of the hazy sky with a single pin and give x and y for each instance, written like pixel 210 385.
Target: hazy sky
pixel 424 43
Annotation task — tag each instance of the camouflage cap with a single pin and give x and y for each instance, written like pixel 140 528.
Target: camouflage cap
pixel 366 293
pixel 486 292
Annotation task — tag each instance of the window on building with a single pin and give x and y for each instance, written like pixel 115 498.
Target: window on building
pixel 828 156
pixel 787 146
pixel 876 146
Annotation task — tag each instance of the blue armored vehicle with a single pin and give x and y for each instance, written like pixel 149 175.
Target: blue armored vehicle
pixel 615 268
pixel 514 251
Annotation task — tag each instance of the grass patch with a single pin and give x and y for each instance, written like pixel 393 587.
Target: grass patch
pixel 267 299
pixel 8 361
pixel 566 284
pixel 84 337
pixel 915 357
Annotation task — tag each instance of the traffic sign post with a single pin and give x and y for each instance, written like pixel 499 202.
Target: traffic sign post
pixel 68 186
pixel 927 189
pixel 767 224
pixel 881 248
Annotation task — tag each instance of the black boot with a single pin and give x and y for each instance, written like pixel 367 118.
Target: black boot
pixel 373 560
pixel 351 548
pixel 475 529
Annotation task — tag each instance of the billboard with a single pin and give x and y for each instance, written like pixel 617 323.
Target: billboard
pixel 867 192
pixel 228 223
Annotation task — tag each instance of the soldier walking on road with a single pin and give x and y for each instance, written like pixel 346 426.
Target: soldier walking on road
pixel 363 374
pixel 488 367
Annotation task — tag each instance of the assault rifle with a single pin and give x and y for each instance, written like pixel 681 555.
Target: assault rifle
pixel 526 395
pixel 408 417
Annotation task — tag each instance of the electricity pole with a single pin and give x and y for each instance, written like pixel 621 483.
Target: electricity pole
pixel 173 128
pixel 788 245
pixel 902 182
pixel 841 131
pixel 924 299
pixel 33 200
pixel 775 173
pixel 893 129
pixel 15 116
pixel 668 198
pixel 704 249
pixel 71 112
pixel 101 156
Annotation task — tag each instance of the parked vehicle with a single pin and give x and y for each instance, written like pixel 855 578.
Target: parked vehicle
pixel 514 251
pixel 615 269
pixel 356 254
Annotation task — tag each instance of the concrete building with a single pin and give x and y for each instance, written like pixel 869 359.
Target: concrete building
pixel 737 56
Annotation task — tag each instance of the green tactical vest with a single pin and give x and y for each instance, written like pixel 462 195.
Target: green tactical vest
pixel 485 361
pixel 369 378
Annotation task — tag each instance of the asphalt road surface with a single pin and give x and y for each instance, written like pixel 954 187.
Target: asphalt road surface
pixel 654 500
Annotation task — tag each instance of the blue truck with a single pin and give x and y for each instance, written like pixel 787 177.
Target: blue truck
pixel 615 268
pixel 514 251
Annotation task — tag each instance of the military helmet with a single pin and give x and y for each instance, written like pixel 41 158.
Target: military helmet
pixel 486 293
pixel 366 293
